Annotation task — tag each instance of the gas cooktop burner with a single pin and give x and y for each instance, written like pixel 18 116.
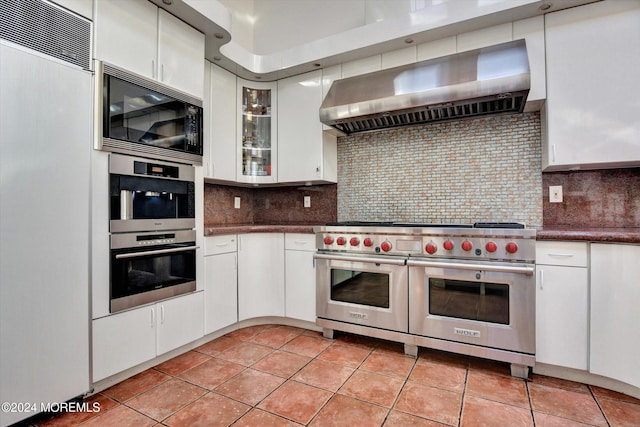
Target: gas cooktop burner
pixel 505 225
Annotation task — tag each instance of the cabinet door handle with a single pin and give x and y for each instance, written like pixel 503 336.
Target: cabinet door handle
pixel 560 255
pixel 153 317
pixel 222 244
pixel 541 279
pixel 162 314
pixel 162 72
pixel 153 68
pixel 553 150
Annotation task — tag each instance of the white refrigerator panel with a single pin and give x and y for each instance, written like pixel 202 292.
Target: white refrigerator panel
pixel 45 169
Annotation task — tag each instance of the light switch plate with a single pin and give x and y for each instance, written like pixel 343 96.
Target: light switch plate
pixel 555 194
pixel 236 202
pixel 307 201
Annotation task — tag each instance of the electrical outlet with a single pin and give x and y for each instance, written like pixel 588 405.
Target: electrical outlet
pixel 555 194
pixel 236 202
pixel 307 201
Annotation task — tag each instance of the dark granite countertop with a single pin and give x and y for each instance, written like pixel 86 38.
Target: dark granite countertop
pixel 591 234
pixel 212 230
pixel 588 234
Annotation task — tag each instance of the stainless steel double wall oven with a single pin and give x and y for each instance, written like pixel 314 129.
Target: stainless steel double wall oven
pixel 152 224
pixel 466 288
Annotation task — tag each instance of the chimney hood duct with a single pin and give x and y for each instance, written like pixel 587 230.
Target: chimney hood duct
pixel 490 80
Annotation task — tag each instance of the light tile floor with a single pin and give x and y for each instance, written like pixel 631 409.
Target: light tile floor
pixel 283 376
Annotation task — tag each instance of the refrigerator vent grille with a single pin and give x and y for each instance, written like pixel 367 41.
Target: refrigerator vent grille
pixel 48 29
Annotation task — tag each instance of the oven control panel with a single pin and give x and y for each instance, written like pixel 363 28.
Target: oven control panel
pixel 513 248
pixel 369 243
pixel 466 243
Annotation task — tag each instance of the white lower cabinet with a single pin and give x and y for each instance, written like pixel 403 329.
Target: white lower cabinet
pixel 260 275
pixel 124 340
pixel 300 276
pixel 615 298
pixel 562 309
pixel 221 282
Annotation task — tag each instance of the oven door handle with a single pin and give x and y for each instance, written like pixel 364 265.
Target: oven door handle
pixel 156 252
pixel 526 269
pixel 375 260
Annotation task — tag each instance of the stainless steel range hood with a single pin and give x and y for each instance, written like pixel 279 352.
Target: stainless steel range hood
pixel 490 80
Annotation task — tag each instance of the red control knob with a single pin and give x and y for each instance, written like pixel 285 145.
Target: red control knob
pixel 354 241
pixel 431 248
pixel 367 242
pixel 512 248
pixel 448 245
pixel 328 240
pixel 341 241
pixel 466 246
pixel 491 247
pixel 385 246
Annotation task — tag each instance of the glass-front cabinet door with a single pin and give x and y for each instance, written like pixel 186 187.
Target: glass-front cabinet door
pixel 257 132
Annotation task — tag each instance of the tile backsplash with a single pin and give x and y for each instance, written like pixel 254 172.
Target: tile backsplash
pixel 597 198
pixel 483 169
pixel 278 205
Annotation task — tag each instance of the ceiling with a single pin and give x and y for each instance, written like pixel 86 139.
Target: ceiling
pixel 423 22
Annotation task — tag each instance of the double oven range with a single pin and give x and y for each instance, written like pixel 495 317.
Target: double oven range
pixel 467 289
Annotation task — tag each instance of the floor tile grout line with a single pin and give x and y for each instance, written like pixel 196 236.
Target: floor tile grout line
pixel 533 417
pixel 464 392
pixel 595 398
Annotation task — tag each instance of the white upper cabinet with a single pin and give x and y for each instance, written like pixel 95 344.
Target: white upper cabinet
pixel 126 35
pixel 257 132
pixel 220 130
pixel 532 30
pixel 138 36
pixel 305 154
pixel 590 119
pixel 180 54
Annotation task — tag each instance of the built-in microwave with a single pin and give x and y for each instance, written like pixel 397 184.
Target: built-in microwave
pixel 139 116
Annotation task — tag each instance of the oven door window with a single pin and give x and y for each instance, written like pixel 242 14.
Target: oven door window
pixel 482 301
pixel 360 287
pixel 134 272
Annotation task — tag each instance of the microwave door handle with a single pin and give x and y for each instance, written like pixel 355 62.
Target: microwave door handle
pixel 156 252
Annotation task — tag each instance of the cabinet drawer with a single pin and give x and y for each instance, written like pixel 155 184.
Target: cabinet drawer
pixel 222 244
pixel 300 241
pixel 572 254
